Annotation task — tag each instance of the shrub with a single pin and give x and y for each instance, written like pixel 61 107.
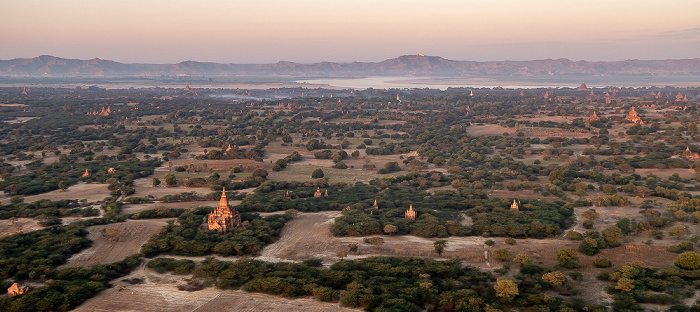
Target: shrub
pixel 688 261
pixel 317 174
pixel 602 262
pixel 567 258
pixel 502 255
pixel 490 242
pixel 510 241
pixel 573 235
pixel 325 294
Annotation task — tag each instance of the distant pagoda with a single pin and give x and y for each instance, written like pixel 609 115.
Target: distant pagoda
pixel 634 117
pixel 410 213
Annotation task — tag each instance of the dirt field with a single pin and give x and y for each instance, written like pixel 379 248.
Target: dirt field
pixel 159 293
pixel 91 191
pixel 144 187
pixel 128 238
pixel 24 225
pixel 134 208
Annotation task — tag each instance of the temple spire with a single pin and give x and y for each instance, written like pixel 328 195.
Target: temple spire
pixel 223 202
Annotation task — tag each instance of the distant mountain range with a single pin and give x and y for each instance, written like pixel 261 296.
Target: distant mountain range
pixel 407 65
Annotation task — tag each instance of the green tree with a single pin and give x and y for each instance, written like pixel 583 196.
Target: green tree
pixel 317 174
pixel 688 261
pixel 522 259
pixel 156 181
pixel 612 236
pixel 678 231
pixel 502 255
pixel 567 258
pixel 170 179
pixel 390 229
pixel 440 246
pixel 506 288
pixel 62 185
pixel 624 284
pixel 555 278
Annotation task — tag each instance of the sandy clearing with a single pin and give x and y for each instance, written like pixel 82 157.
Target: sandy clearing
pixel 159 293
pixel 25 225
pixel 93 192
pixel 132 234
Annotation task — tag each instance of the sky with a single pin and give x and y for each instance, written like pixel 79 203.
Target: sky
pixel 307 31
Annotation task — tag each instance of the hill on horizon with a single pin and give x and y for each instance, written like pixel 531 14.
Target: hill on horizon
pixel 406 65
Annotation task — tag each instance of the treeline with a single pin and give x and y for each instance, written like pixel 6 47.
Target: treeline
pixel 383 284
pixel 438 214
pixel 440 217
pixel 191 238
pixel 16 208
pixel 43 178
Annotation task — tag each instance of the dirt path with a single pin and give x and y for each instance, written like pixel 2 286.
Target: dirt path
pixel 128 238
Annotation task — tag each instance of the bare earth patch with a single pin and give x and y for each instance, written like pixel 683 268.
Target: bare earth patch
pixel 93 192
pixel 159 293
pixel 126 239
pixel 25 225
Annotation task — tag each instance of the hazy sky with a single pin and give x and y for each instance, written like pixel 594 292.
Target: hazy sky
pixel 267 31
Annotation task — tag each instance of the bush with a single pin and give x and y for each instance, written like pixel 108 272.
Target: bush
pixel 573 235
pixel 317 174
pixel 180 267
pixel 567 258
pixel 602 262
pixel 502 255
pixel 688 261
pixel 510 241
pixel 325 294
pixel 490 242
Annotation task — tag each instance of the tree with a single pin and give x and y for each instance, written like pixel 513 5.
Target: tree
pixel 317 174
pixel 624 284
pixel 440 246
pixel 439 161
pixel 555 278
pixel 170 179
pixel 352 247
pixel 590 214
pixel 612 236
pixel 567 258
pixel 688 261
pixel 678 231
pixel 156 181
pixel 506 288
pixel 259 173
pixel 522 259
pixel 390 229
pixel 341 254
pixel 62 185
pixel 502 255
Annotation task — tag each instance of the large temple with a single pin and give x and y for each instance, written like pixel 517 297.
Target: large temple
pixel 225 217
pixel 634 117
